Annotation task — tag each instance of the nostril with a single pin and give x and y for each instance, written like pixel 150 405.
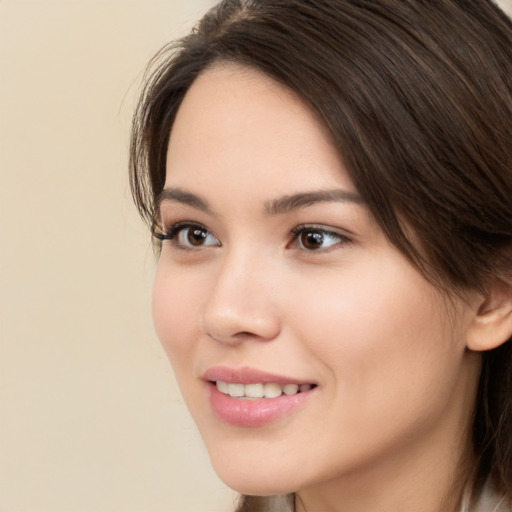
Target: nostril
pixel 234 320
pixel 245 334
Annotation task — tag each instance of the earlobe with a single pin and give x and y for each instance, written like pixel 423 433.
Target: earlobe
pixel 492 324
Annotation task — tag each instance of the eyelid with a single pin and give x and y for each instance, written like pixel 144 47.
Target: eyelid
pixel 343 236
pixel 172 232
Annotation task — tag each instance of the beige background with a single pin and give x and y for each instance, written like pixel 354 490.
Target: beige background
pixel 90 417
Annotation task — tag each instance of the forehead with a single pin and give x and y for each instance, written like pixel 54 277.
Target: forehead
pixel 238 125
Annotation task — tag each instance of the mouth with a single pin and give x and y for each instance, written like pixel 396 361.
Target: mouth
pixel 260 390
pixel 248 397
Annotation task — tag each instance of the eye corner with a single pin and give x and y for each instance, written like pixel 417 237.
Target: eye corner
pixel 158 236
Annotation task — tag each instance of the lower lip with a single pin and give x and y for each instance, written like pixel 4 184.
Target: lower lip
pixel 254 412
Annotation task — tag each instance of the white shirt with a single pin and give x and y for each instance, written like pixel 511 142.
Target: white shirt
pixel 487 501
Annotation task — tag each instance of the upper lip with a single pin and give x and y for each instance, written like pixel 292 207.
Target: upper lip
pixel 248 375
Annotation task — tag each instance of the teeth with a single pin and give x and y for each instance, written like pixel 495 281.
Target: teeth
pixel 236 390
pixel 290 389
pixel 223 387
pixel 272 390
pixel 269 390
pixel 254 390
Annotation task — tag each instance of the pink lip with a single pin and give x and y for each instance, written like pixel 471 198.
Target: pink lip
pixel 254 412
pixel 247 375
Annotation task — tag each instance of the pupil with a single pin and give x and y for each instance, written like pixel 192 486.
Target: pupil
pixel 312 240
pixel 196 236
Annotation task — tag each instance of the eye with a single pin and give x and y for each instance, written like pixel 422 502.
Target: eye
pixel 315 238
pixel 187 235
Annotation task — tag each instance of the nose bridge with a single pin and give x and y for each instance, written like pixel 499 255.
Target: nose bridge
pixel 240 305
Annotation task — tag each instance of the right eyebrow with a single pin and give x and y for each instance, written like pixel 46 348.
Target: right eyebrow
pixel 178 195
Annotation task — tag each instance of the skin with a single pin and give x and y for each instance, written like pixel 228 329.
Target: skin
pixel 387 428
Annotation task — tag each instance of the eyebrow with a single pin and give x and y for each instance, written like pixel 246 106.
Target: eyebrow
pixel 179 195
pixel 296 201
pixel 277 206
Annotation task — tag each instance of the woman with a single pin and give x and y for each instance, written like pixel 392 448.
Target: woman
pixel 329 184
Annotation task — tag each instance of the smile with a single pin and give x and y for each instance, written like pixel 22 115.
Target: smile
pixel 260 390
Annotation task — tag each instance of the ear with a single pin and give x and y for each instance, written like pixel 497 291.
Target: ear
pixel 492 324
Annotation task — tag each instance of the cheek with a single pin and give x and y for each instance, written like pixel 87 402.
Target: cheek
pixel 175 313
pixel 379 332
pixel 360 312
pixel 387 355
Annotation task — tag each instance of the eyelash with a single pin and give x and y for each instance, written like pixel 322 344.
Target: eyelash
pixel 318 230
pixel 172 234
pixel 175 230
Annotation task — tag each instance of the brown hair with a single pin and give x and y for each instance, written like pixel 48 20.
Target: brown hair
pixel 418 98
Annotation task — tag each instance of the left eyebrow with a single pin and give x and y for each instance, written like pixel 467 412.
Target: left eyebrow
pixel 294 202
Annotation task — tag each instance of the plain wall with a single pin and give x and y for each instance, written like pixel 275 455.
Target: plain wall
pixel 90 416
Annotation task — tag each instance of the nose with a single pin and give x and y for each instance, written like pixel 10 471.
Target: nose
pixel 241 306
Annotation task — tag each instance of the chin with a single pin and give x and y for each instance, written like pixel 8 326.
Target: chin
pixel 252 485
pixel 254 479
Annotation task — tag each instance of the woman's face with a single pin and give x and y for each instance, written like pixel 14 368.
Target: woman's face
pixel 333 355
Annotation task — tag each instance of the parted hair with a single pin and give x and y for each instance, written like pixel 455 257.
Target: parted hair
pixel 417 95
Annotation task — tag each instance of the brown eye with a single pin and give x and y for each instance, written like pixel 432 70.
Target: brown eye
pixel 195 236
pixel 186 235
pixel 313 238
